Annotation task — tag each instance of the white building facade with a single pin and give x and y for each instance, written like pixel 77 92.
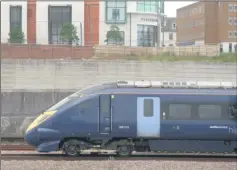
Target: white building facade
pixel 169 32
pixel 138 27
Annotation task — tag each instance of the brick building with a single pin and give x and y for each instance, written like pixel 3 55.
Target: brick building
pixel 208 23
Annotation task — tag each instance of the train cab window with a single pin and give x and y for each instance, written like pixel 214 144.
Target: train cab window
pixel 179 111
pixel 148 107
pixel 209 112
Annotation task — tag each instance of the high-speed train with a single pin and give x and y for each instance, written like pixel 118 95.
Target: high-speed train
pixel 142 116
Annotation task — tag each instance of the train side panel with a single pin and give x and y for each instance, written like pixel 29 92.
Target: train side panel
pixel 193 129
pixel 124 115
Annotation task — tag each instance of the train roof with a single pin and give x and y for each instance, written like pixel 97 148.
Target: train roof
pixel 181 87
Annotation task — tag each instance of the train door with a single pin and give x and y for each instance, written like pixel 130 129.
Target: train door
pixel 148 117
pixel 105 117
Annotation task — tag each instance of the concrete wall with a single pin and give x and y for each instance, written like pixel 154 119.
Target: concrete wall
pixel 31 86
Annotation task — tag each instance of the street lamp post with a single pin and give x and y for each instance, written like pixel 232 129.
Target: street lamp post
pixel 158 25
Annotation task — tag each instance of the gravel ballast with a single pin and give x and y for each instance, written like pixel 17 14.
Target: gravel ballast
pixel 116 165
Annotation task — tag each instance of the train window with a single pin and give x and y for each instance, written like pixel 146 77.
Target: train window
pixel 233 110
pixel 148 107
pixel 179 111
pixel 210 111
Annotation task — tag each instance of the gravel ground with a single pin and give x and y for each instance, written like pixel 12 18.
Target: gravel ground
pixel 116 165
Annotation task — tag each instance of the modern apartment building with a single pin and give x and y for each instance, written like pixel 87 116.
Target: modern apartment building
pixel 41 20
pixel 169 32
pixel 208 23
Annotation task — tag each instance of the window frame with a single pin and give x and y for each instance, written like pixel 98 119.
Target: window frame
pixel 230 20
pixel 210 104
pixel 235 8
pixel 107 21
pixel 230 34
pixel 145 37
pixel 230 7
pixel 173 25
pixel 151 4
pixel 191 108
pixel 171 36
pixel 50 34
pixel 11 25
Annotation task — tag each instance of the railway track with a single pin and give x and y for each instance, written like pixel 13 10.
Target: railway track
pixel 12 146
pixel 58 157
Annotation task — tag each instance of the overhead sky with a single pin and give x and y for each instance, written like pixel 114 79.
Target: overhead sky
pixel 171 6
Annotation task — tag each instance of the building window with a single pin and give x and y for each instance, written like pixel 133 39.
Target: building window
pixel 150 6
pixel 230 47
pixel 235 47
pixel 230 20
pixel 118 41
pixel 174 26
pixel 235 9
pixel 58 16
pixel 146 35
pixel 208 112
pixel 230 34
pixel 170 36
pixel 116 11
pixel 15 17
pixel 146 6
pixel 230 7
pixel 180 111
pixel 148 107
pixel 235 21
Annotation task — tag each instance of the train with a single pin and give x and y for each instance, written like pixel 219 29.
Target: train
pixel 141 116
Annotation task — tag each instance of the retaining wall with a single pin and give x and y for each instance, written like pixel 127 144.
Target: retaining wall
pixel 31 86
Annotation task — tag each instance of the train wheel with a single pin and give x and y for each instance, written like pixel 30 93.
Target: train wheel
pixel 71 147
pixel 124 150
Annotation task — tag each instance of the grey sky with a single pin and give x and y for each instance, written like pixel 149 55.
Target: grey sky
pixel 170 7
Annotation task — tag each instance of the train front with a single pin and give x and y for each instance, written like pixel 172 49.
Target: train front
pixel 32 133
pixel 42 133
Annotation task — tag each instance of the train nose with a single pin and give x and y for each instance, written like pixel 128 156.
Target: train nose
pixel 31 137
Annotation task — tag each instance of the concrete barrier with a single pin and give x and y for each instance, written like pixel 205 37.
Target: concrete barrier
pixel 31 86
pixel 19 109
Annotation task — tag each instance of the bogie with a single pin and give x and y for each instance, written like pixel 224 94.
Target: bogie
pixel 71 147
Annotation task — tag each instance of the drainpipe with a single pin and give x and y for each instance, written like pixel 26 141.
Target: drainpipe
pixel 130 29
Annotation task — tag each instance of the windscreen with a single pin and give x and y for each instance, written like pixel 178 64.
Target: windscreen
pixel 65 100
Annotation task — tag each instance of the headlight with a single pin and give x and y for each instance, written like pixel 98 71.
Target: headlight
pixel 44 116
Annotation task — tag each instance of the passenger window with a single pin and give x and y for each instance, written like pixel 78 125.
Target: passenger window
pixel 233 110
pixel 179 111
pixel 148 107
pixel 209 112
